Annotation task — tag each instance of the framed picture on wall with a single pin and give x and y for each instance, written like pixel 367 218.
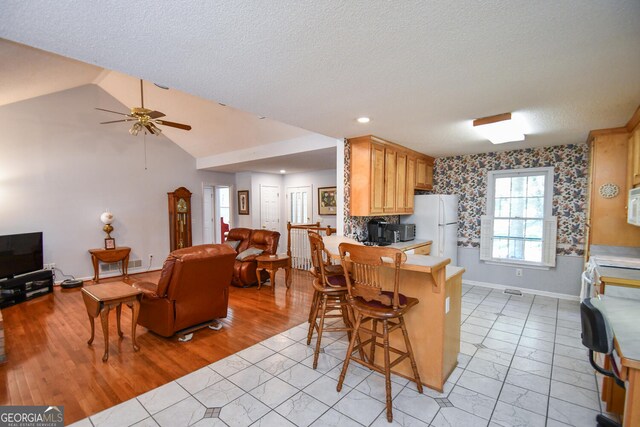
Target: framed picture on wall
pixel 327 201
pixel 243 202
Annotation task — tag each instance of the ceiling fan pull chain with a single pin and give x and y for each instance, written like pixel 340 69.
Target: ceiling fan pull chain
pixel 145 150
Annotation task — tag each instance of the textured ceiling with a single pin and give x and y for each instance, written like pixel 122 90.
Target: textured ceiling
pixel 28 72
pixel 421 70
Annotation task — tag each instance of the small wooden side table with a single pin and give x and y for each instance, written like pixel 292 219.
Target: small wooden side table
pixel 272 263
pixel 119 254
pixel 100 299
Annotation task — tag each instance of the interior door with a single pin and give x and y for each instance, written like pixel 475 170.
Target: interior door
pixel 299 205
pixel 269 207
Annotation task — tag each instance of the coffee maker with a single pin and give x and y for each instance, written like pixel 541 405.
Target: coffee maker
pixel 376 227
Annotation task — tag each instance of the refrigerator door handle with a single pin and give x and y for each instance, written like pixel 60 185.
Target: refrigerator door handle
pixel 441 217
pixel 442 239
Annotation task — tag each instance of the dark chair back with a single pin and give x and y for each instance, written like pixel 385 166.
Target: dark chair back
pixel 596 332
pixel 597 336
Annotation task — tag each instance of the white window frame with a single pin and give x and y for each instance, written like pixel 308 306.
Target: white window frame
pixel 550 222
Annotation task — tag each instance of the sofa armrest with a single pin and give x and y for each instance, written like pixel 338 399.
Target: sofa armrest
pixel 148 289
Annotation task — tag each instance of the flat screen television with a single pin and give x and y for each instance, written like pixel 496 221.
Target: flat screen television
pixel 20 253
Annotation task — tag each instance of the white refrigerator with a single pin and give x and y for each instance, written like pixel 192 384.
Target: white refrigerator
pixel 436 218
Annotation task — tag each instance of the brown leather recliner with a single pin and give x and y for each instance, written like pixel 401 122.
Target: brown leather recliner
pixel 244 272
pixel 193 289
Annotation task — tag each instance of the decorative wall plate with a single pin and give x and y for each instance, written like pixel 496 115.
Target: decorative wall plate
pixel 609 190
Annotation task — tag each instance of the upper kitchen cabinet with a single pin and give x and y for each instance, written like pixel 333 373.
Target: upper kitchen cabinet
pixel 633 163
pixel 614 169
pixel 424 173
pixel 384 176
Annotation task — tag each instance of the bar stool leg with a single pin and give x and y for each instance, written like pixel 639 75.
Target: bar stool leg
pixel 344 310
pixel 313 318
pixel 387 368
pixel 374 339
pixel 347 358
pixel 314 304
pixel 323 311
pixel 414 366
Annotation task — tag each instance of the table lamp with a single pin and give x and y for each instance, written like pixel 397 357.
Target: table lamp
pixel 107 219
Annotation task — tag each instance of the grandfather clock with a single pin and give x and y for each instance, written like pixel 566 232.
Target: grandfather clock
pixel 180 218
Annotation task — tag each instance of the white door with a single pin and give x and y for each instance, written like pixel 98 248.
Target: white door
pixel 223 210
pixel 208 216
pixel 269 207
pixel 299 205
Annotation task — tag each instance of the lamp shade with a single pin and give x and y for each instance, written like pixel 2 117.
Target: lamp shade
pixel 106 217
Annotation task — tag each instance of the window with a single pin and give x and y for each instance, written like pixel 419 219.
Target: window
pixel 518 227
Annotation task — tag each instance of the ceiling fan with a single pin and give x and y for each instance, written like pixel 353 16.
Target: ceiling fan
pixel 144 119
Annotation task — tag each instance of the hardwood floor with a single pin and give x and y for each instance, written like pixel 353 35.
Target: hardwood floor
pixel 50 363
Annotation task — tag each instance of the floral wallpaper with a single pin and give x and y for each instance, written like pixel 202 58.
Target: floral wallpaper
pixel 467 177
pixel 355 226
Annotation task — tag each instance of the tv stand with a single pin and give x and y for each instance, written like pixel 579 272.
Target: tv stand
pixel 25 287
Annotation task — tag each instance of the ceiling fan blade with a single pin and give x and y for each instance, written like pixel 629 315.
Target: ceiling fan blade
pixel 118 121
pixel 173 124
pixel 156 114
pixel 111 111
pixel 149 129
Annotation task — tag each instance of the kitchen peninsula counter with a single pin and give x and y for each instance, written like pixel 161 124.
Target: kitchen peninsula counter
pixel 433 324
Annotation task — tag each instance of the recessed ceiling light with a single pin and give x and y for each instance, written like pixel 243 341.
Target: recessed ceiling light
pixel 283 171
pixel 500 129
pixel 364 119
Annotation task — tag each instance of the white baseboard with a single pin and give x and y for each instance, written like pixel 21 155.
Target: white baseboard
pixel 112 274
pixel 523 290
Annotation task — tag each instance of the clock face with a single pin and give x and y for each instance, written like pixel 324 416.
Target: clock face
pixel 182 206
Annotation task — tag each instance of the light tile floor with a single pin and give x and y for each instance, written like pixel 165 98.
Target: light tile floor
pixel 521 364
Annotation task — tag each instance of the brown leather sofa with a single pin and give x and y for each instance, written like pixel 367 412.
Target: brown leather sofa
pixel 193 289
pixel 244 272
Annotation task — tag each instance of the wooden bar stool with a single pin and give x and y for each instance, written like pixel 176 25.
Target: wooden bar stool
pixel 330 295
pixel 371 303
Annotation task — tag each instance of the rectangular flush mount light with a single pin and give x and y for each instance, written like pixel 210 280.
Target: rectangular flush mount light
pixel 499 129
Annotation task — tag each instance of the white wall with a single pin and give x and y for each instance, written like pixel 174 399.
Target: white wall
pixel 243 182
pixel 252 181
pixel 316 179
pixel 60 169
pixel 563 279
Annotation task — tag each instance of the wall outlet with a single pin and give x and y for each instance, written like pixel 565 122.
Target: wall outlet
pixel 519 272
pixel 50 266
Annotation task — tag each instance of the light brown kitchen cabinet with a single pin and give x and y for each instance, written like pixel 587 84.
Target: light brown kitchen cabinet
pixel 383 176
pixel 410 178
pixel 424 173
pixel 634 159
pixel 390 168
pixel 614 155
pixel 401 181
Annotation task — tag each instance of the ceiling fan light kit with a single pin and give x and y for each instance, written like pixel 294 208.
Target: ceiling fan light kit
pixel 500 128
pixel 144 119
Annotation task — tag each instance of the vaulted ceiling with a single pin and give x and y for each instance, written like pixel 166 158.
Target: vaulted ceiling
pixel 421 70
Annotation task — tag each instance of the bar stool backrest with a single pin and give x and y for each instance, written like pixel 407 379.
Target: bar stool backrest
pixel 365 265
